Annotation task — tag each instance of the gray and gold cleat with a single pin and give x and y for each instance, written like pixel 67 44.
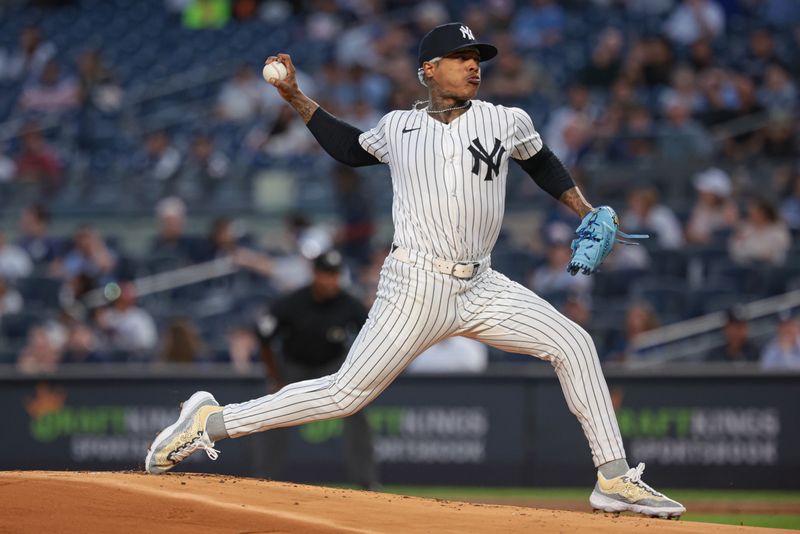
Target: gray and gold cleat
pixel 185 436
pixel 629 493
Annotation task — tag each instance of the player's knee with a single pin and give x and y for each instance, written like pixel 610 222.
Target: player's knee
pixel 349 400
pixel 585 340
pixel 578 341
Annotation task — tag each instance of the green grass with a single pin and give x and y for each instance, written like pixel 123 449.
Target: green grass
pixel 785 521
pixel 788 521
pixel 456 492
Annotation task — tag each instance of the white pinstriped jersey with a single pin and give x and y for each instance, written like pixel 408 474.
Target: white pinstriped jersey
pixel 449 180
pixel 449 194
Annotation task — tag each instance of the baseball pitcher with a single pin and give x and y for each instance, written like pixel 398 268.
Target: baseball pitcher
pixel 449 159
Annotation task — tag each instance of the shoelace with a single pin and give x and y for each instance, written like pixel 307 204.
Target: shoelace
pixel 196 443
pixel 635 476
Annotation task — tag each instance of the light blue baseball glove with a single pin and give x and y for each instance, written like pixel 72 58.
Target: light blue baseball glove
pixel 595 237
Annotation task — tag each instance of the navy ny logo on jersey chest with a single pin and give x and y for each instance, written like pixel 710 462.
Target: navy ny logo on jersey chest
pixel 491 159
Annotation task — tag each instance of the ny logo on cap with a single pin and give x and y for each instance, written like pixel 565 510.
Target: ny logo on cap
pixel 466 33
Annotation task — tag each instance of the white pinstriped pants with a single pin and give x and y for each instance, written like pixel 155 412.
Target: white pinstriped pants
pixel 416 308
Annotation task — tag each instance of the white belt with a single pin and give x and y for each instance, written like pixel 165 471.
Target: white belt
pixel 464 270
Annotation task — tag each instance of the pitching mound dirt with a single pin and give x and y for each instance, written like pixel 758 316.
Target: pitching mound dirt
pixel 33 501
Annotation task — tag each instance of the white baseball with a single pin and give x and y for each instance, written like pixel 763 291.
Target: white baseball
pixel 276 70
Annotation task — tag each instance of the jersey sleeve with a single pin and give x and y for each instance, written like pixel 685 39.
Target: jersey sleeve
pixel 527 141
pixel 376 140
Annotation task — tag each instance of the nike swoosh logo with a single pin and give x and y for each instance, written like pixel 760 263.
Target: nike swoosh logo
pixel 410 129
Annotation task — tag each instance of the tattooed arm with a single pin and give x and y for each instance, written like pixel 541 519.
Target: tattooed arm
pixel 336 137
pixel 573 199
pixel 290 91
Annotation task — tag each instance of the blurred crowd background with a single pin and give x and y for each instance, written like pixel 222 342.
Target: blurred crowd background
pixel 138 139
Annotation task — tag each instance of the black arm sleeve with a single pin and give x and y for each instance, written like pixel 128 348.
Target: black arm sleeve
pixel 548 172
pixel 339 139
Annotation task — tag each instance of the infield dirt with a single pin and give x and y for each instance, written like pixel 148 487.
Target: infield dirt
pixel 83 502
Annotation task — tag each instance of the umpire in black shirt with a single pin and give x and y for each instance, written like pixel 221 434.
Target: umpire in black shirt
pixel 316 325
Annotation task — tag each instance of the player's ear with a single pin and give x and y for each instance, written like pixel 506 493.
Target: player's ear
pixel 427 70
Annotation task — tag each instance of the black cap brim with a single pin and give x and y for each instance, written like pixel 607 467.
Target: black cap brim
pixel 485 51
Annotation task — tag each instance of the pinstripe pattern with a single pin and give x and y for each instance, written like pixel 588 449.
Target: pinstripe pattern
pixel 506 315
pixel 441 208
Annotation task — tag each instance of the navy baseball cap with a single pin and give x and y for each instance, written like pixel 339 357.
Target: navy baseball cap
pixel 449 38
pixel 330 261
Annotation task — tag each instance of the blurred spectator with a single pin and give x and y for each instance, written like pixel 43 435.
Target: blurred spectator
pixel 790 207
pixel 540 24
pixel 29 58
pixel 10 299
pixel 14 261
pixel 129 328
pixel 645 213
pixel 158 164
pixel 8 169
pixel 679 136
pixel 38 163
pixel 779 141
pixel 743 145
pixel 98 88
pixel 83 346
pixel 657 61
pixel 72 292
pixel 288 268
pixel 605 63
pixel 702 56
pixel 720 98
pixel 553 277
pixel 205 170
pixel 714 208
pixel 683 89
pixel 171 240
pixel 246 96
pixel 563 130
pixel 355 215
pixel 40 354
pixel 454 354
pixel 35 237
pixel 512 81
pixel 223 239
pixel 778 94
pixel 762 237
pixel 89 256
pixel 761 52
pixel 778 13
pixel 783 352
pixel 206 14
pixel 737 348
pixel 51 94
pixel 361 115
pixel 323 21
pixel 284 137
pixel 695 19
pixel 640 317
pixel 578 308
pixel 242 349
pixel 181 343
pixel 427 15
pixel 245 9
pixel 636 142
